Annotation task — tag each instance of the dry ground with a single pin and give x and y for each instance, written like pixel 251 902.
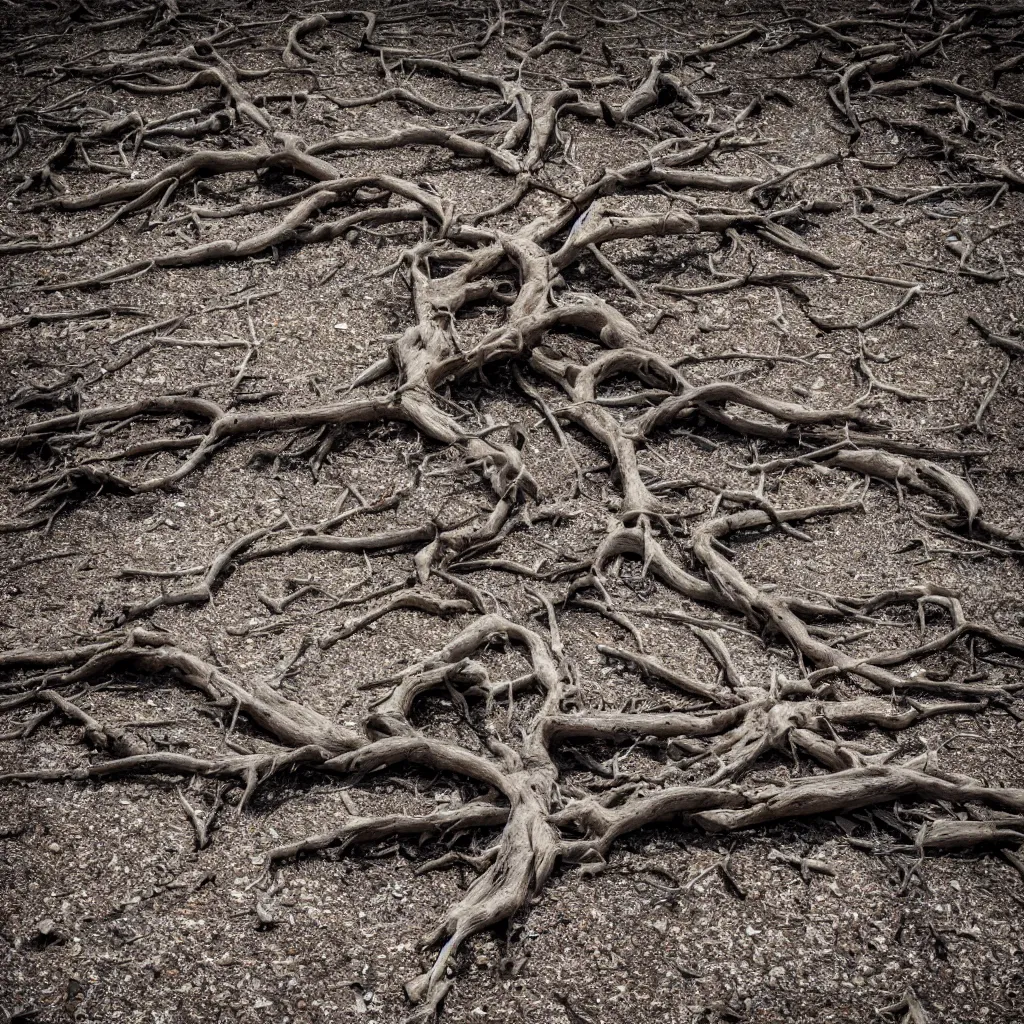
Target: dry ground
pixel 599 186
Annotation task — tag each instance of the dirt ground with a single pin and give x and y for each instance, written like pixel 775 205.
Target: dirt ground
pixel 887 302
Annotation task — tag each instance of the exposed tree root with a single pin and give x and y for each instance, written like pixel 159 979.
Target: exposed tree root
pixel 594 376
